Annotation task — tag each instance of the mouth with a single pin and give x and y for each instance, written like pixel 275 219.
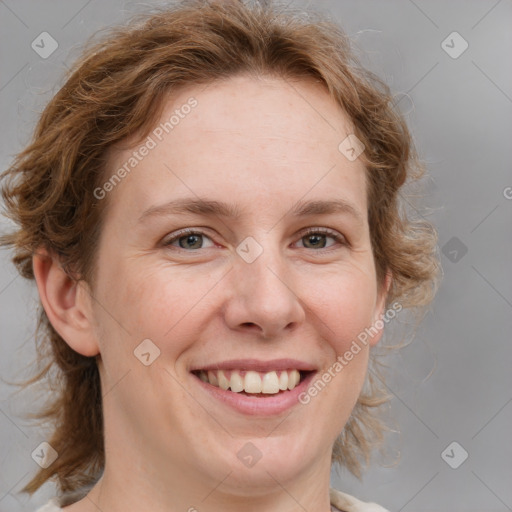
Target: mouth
pixel 254 387
pixel 253 383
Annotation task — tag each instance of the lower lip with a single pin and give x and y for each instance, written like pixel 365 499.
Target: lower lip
pixel 258 406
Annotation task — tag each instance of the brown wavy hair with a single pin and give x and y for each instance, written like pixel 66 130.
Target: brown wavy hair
pixel 116 90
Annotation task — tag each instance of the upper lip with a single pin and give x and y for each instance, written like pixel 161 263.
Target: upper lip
pixel 258 365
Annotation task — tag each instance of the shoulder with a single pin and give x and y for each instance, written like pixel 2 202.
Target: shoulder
pixel 51 506
pixel 348 503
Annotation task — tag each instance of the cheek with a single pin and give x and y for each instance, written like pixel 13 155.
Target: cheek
pixel 138 304
pixel 345 304
pixel 158 303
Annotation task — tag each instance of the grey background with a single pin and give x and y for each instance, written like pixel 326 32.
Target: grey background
pixel 453 382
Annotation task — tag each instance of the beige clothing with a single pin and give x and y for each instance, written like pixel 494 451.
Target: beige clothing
pixel 339 502
pixel 348 503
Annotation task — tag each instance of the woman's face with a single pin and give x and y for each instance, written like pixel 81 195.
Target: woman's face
pixel 275 274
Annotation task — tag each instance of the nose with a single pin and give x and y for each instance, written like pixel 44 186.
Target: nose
pixel 262 296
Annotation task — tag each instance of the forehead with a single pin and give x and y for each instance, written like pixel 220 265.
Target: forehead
pixel 248 137
pixel 269 107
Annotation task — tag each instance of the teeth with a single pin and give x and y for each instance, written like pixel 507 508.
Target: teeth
pixel 252 382
pixel 268 383
pixel 236 382
pixel 212 378
pixel 293 379
pixel 223 382
pixel 283 381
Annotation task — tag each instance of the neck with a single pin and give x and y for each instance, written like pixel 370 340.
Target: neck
pixel 129 485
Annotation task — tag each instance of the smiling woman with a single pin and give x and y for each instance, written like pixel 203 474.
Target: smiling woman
pixel 250 258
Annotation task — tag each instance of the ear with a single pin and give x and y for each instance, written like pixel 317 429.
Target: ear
pixel 67 303
pixel 380 305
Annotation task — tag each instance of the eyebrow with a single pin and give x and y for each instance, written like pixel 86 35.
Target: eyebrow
pixel 219 208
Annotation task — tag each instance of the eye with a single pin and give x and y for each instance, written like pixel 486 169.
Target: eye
pixel 316 238
pixel 188 239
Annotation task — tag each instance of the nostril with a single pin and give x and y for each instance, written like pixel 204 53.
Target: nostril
pixel 249 324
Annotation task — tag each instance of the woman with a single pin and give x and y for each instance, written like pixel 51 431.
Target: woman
pixel 209 208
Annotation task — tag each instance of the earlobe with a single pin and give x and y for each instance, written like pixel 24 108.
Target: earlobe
pixel 66 303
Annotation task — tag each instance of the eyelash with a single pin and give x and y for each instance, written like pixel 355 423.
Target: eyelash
pixel 310 231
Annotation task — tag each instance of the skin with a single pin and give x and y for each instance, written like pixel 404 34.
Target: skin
pixel 264 144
